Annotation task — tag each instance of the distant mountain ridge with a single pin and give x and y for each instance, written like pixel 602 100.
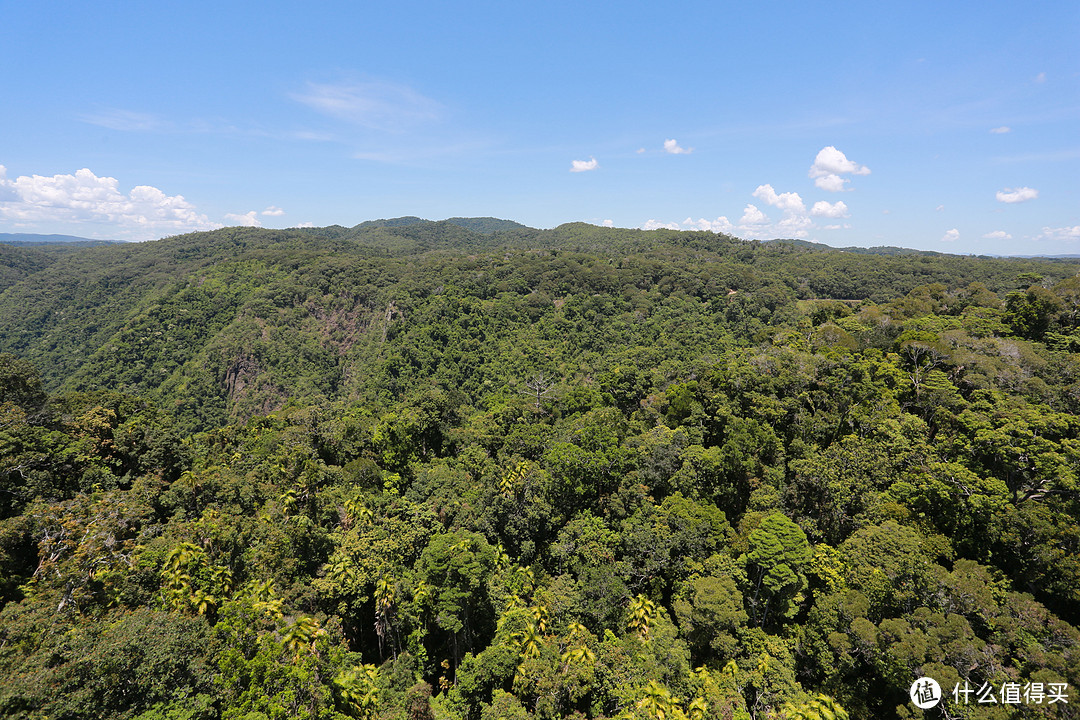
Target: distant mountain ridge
pixel 53 239
pixel 876 250
pixel 482 225
pixel 491 226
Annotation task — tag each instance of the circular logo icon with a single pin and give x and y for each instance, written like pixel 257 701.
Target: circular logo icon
pixel 925 693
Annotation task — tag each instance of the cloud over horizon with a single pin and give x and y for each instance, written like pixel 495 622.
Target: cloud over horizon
pixel 829 210
pixel 247 219
pixel 143 213
pixel 829 165
pixel 788 202
pixel 755 223
pixel 1066 234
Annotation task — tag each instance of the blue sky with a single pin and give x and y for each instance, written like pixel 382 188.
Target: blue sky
pixel 943 126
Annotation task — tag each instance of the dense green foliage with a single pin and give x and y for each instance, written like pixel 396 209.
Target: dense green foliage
pixel 450 470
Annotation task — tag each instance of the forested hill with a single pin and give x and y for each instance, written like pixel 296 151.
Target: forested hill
pixel 473 470
pixel 244 319
pixel 484 225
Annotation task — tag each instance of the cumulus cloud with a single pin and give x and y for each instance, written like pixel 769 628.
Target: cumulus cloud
pixel 7 189
pixel 657 225
pixel 830 183
pixel 951 235
pixel 142 213
pixel 829 210
pixel 788 202
pixel 374 105
pixel 752 216
pixel 794 226
pixel 248 219
pixel 829 167
pixel 304 225
pixel 997 235
pixel 1001 130
pixel 719 225
pixel 831 160
pixel 796 221
pixel 273 211
pixel 753 223
pixel 608 223
pixel 1061 234
pixel 584 165
pixel 1016 195
pixel 672 147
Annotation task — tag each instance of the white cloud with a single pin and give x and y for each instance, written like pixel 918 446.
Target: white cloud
pixel 830 183
pixel 374 105
pixel 831 160
pixel 657 225
pixel 248 219
pixel 1001 130
pixel 640 151
pixel 997 235
pixel 584 165
pixel 939 208
pixel 7 189
pixel 834 210
pixel 1061 234
pixel 788 202
pixel 795 222
pixel 1040 78
pixel 845 226
pixel 608 223
pixel 829 165
pixel 1016 195
pixel 304 225
pixel 273 211
pixel 755 223
pixel 673 147
pixel 951 235
pixel 719 225
pixel 752 216
pixel 794 226
pixel 143 213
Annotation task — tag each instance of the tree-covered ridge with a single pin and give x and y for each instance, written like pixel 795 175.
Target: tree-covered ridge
pixel 609 474
pixel 252 318
pixel 485 225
